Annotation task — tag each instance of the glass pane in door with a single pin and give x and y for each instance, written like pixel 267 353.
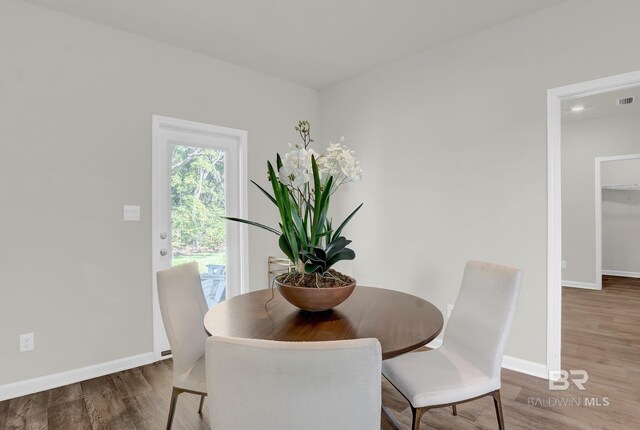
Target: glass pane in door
pixel 197 204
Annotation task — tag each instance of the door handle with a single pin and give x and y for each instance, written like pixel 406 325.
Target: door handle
pixel 163 252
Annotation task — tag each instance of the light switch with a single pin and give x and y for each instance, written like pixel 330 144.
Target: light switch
pixel 131 213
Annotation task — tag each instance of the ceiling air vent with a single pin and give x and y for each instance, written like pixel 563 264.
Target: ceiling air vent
pixel 625 101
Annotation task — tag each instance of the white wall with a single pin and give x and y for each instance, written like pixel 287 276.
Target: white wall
pixel 621 215
pixel 76 100
pixel 453 143
pixel 583 142
pixel 621 172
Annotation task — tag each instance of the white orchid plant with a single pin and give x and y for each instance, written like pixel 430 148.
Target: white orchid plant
pixel 302 188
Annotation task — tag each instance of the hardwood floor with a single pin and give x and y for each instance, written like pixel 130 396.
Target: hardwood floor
pixel 133 399
pixel 601 334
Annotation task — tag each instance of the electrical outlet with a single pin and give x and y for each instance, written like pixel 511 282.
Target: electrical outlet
pixel 449 310
pixel 564 264
pixel 27 342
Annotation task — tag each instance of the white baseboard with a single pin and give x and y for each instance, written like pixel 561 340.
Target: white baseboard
pixel 621 273
pixel 576 284
pixel 532 368
pixel 512 363
pixel 47 382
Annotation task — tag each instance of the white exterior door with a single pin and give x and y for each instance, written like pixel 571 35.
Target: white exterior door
pixel 199 174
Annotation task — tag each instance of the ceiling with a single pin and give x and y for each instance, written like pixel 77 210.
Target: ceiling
pixel 601 105
pixel 316 43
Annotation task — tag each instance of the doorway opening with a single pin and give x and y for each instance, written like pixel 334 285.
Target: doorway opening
pixel 199 175
pixel 618 215
pixel 560 100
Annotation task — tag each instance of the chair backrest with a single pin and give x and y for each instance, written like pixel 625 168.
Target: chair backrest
pixel 270 385
pixel 183 308
pixel 481 318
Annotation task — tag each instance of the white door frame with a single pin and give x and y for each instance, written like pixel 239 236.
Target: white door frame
pixel 163 128
pixel 555 97
pixel 598 186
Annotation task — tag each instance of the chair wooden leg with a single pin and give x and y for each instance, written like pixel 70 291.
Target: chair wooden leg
pixel 455 410
pixel 172 406
pixel 417 415
pixel 497 402
pixel 201 403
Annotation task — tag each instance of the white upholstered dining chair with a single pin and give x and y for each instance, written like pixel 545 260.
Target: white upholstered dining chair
pixel 467 365
pixel 271 385
pixel 183 308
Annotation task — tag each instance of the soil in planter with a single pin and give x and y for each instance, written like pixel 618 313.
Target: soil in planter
pixel 331 279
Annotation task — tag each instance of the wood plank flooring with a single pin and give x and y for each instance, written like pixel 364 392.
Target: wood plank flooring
pixel 601 334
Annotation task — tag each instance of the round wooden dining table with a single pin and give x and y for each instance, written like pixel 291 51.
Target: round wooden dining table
pixel 401 322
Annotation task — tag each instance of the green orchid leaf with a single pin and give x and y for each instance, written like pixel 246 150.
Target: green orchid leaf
pixel 284 246
pixel 256 224
pixel 317 191
pixel 273 178
pixel 320 253
pixel 320 210
pixel 311 257
pixel 346 221
pixel 325 233
pixel 299 225
pixel 336 246
pixel 266 193
pixel 313 268
pixel 287 222
pixel 345 254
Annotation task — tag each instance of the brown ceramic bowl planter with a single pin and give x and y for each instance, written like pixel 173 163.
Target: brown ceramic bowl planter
pixel 315 299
